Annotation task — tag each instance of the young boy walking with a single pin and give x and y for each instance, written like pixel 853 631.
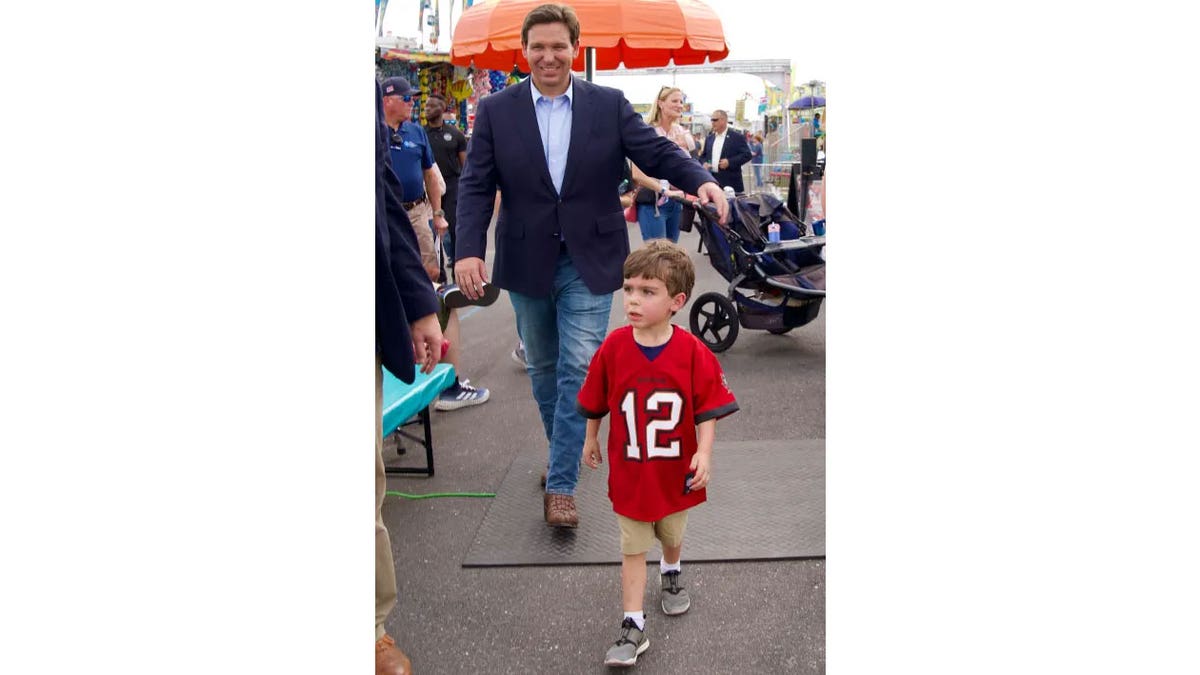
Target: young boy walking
pixel 665 391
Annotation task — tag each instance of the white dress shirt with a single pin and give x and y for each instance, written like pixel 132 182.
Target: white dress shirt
pixel 554 126
pixel 718 146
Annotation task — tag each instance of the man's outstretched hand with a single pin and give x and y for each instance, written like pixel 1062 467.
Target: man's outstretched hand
pixel 709 193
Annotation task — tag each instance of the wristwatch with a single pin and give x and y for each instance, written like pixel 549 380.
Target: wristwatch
pixel 440 213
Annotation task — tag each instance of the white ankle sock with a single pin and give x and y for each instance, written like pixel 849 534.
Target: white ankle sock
pixel 638 617
pixel 664 566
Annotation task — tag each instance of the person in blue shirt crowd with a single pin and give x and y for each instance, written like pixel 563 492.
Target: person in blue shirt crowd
pixel 756 155
pixel 413 162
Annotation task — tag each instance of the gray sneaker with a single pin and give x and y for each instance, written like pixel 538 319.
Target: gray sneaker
pixel 675 598
pixel 631 644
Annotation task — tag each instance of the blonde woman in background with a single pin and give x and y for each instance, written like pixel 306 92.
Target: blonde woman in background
pixel 657 216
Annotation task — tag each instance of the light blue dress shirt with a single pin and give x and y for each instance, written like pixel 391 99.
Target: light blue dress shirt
pixel 554 126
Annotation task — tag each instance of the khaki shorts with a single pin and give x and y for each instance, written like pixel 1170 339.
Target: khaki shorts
pixel 421 216
pixel 637 536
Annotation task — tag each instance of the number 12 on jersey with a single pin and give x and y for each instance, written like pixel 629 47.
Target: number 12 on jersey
pixel 654 403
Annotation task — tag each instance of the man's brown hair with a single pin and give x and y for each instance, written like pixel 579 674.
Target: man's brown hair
pixel 660 259
pixel 551 14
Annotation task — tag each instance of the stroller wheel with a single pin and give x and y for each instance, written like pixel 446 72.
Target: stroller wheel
pixel 779 331
pixel 714 321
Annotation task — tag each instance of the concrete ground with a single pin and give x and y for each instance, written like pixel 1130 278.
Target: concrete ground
pixel 746 617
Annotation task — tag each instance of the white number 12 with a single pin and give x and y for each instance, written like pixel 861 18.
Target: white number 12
pixel 653 404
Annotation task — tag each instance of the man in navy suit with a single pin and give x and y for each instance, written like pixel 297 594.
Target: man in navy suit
pixel 731 150
pixel 407 332
pixel 555 146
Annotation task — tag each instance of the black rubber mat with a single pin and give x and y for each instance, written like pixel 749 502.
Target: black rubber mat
pixel 767 501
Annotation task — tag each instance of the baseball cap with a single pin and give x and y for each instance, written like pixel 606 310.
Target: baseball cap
pixel 398 86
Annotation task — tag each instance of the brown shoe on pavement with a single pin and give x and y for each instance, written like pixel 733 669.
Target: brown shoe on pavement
pixel 560 511
pixel 389 660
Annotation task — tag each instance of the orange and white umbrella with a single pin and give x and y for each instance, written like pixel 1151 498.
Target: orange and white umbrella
pixel 637 33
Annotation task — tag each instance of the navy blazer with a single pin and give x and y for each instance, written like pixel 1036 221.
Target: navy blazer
pixel 736 150
pixel 403 292
pixel 506 152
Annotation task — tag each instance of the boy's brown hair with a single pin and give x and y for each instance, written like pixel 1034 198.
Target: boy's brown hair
pixel 660 259
pixel 550 13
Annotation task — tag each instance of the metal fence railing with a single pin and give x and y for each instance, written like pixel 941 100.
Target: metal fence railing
pixel 756 177
pixel 773 178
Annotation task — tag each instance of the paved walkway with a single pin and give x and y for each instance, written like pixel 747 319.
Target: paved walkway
pixel 746 617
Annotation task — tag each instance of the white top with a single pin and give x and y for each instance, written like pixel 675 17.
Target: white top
pixel 678 135
pixel 718 146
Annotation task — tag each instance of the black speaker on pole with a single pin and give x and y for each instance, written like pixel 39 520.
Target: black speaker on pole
pixel 808 152
pixel 795 183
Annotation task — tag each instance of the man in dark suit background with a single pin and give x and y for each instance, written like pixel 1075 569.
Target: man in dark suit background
pixel 731 150
pixel 407 332
pixel 555 146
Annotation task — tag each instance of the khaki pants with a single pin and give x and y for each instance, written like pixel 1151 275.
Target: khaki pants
pixel 385 568
pixel 421 217
pixel 637 536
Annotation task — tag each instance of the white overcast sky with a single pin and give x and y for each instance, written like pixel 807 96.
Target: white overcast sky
pixel 754 29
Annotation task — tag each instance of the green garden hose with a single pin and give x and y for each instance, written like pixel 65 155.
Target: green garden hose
pixel 405 495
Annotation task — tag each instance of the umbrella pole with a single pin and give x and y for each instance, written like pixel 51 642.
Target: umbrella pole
pixel 589 63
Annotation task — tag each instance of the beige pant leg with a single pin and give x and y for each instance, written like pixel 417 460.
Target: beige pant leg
pixel 385 568
pixel 420 217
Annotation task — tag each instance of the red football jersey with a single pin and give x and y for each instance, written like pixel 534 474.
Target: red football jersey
pixel 655 408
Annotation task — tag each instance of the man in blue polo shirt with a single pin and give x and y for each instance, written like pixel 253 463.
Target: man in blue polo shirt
pixel 413 162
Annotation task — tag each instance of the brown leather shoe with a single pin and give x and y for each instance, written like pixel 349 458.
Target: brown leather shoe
pixel 389 660
pixel 560 511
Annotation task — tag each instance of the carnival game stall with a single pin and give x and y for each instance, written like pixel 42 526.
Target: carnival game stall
pixel 432 72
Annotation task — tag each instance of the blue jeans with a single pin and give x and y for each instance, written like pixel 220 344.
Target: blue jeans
pixel 561 334
pixel 758 174
pixel 663 226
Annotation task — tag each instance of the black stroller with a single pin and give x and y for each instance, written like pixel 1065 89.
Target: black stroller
pixel 772 287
